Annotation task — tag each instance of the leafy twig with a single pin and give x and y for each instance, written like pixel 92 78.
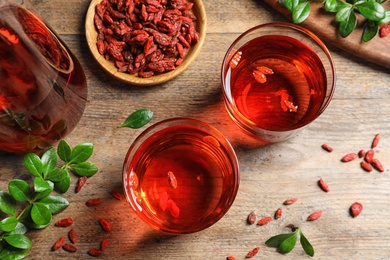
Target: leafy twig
pixel 345 14
pixel 285 242
pixel 39 205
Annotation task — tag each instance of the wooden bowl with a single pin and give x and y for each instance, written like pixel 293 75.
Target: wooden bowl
pixel 108 65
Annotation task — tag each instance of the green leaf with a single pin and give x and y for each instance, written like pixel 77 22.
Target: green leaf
pixel 346 27
pixel 370 31
pixel 49 160
pixel 18 241
pixel 57 175
pixel 288 244
pixel 81 153
pixel 7 203
pixel 40 214
pixel 33 164
pixel 64 151
pixel 138 119
pixel 19 229
pixel 301 12
pixel 19 190
pixel 344 13
pixel 41 185
pixel 306 245
pixel 371 10
pixel 56 204
pixel 42 188
pixel 27 221
pixel 11 253
pixel 85 169
pixel 335 5
pixel 63 185
pixel 290 4
pixel 275 241
pixel 8 224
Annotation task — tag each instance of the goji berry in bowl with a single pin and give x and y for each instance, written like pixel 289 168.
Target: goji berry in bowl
pixel 145 42
pixel 181 175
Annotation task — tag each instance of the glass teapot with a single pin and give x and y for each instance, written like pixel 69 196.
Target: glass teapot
pixel 43 90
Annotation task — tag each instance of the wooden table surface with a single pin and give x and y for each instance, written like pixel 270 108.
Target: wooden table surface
pixel 269 174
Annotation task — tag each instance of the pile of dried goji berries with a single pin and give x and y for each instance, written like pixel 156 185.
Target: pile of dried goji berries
pixel 145 37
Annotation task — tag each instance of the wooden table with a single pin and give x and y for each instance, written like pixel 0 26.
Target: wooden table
pixel 269 174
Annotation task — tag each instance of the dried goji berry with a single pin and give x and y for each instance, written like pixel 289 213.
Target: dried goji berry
pixel 66 222
pixel 231 258
pixel 72 236
pixel 323 185
pixel 265 70
pixel 349 157
pixel 377 165
pixel 104 244
pixel 58 244
pixel 93 202
pixel 173 208
pixel 105 225
pixel 290 201
pixel 278 213
pixel 327 147
pixel 94 252
pixel 366 166
pixel 375 141
pixel 361 153
pixel 116 195
pixel 70 248
pixel 253 252
pixel 82 180
pixel 384 30
pixel 235 60
pixel 259 76
pixel 369 156
pixel 172 180
pixel 251 219
pixel 263 221
pixel 356 209
pixel 314 216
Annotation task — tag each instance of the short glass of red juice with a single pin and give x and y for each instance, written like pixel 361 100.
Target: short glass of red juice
pixel 276 79
pixel 181 175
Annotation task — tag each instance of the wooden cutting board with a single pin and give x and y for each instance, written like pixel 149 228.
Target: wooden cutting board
pixel 325 26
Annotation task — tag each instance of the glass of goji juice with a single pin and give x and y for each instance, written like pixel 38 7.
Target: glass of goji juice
pixel 181 175
pixel 276 79
pixel 43 90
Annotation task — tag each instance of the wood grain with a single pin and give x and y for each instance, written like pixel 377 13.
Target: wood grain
pixel 324 26
pixel 269 174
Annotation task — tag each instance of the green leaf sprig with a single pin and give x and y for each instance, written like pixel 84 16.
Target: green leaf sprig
pixel 138 118
pixel 285 242
pixel 36 204
pixel 346 11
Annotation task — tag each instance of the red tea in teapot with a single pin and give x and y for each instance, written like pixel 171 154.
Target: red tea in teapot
pixel 42 85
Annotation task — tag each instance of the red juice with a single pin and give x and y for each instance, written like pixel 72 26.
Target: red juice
pixel 202 169
pixel 286 99
pixel 42 85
